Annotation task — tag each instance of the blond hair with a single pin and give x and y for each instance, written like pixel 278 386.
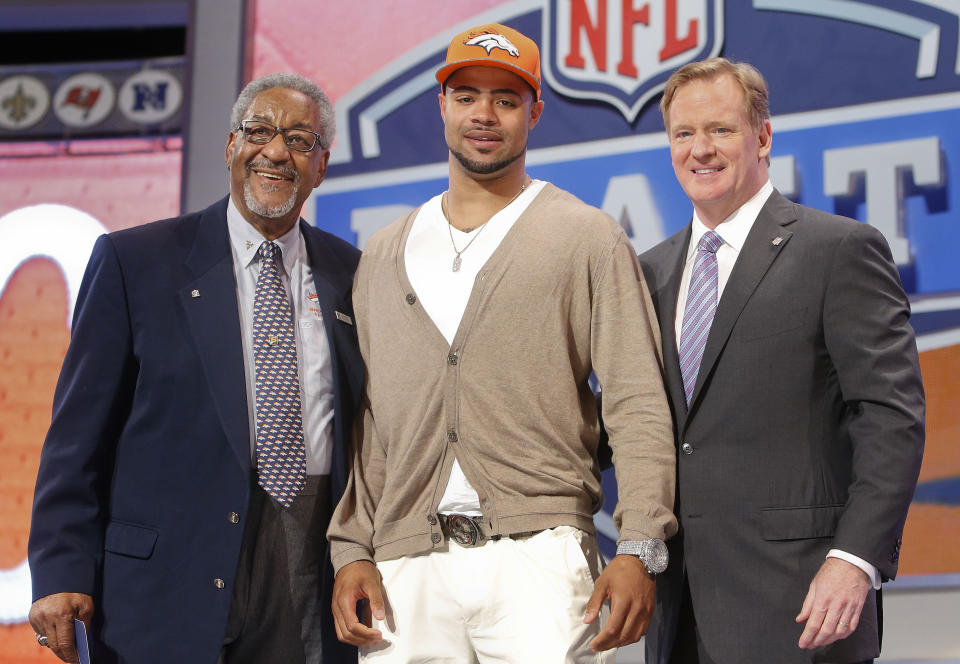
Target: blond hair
pixel 756 96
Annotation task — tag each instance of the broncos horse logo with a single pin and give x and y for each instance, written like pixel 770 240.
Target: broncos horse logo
pixel 491 41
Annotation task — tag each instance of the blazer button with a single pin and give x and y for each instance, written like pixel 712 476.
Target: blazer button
pixel 218 584
pixel 233 517
pixel 411 298
pixel 432 520
pixel 436 538
pixel 686 448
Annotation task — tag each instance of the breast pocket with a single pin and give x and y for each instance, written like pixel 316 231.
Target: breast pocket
pixel 773 323
pixel 314 349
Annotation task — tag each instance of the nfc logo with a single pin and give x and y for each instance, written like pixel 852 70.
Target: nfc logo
pixel 621 51
pixel 150 96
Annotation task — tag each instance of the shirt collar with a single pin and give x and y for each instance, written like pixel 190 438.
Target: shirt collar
pixel 246 240
pixel 735 228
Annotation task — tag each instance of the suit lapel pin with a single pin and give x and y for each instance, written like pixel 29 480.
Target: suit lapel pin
pixel 776 241
pixel 194 293
pixel 249 244
pixel 344 318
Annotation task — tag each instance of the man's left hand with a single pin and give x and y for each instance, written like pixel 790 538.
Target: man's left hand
pixel 833 603
pixel 632 594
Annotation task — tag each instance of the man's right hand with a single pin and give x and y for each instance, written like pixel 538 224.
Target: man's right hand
pixel 52 616
pixel 357 581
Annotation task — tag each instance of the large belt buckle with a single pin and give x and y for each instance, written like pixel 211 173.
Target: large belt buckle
pixel 465 530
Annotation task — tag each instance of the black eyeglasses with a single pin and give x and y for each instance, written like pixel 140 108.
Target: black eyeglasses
pixel 261 133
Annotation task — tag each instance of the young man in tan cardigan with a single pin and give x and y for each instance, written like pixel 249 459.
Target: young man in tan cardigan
pixel 467 525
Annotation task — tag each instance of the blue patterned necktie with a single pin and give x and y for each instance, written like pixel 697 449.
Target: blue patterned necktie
pixel 281 457
pixel 701 306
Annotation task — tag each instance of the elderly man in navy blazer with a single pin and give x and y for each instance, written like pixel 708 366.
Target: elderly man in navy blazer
pixel 202 417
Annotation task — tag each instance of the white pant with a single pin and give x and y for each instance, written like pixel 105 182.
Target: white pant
pixel 513 600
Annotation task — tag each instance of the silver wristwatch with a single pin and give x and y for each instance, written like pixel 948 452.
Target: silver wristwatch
pixel 651 552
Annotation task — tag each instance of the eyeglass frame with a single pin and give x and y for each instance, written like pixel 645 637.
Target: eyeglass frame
pixel 283 132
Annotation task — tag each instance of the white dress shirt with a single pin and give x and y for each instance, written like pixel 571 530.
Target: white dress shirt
pixel 313 352
pixel 733 231
pixel 443 293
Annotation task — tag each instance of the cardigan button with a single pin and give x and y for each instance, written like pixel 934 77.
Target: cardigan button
pixel 411 298
pixel 452 436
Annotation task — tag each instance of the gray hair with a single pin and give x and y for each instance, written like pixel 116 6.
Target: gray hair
pixel 293 82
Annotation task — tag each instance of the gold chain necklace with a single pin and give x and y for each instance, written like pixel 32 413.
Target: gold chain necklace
pixel 456 260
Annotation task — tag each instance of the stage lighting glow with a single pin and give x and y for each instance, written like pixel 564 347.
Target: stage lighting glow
pixel 63 234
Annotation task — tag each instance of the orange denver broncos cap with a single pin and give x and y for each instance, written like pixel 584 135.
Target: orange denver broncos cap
pixel 494 45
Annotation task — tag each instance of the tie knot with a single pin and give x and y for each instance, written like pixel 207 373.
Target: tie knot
pixel 710 242
pixel 268 249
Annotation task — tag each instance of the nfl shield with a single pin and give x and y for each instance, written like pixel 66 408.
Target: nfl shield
pixel 622 51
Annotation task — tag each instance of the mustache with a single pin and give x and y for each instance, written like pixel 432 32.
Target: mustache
pixel 492 130
pixel 280 168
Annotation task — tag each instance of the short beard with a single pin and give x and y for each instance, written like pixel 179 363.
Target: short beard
pixel 275 211
pixel 481 167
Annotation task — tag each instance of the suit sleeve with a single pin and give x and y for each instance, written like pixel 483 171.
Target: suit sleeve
pixel 625 347
pixel 90 407
pixel 872 347
pixel 352 524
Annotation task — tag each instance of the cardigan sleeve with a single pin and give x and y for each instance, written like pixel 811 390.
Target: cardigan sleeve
pixel 351 527
pixel 352 524
pixel 625 347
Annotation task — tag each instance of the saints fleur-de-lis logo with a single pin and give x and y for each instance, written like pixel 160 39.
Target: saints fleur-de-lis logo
pixel 18 105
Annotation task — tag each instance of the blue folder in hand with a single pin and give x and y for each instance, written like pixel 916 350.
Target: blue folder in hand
pixel 83 649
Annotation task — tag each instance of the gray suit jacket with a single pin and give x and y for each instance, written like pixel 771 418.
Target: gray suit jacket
pixel 804 433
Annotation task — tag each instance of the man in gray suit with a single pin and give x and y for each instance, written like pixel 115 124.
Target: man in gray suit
pixel 797 400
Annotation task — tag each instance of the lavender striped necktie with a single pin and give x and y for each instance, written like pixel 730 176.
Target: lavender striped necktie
pixel 281 456
pixel 701 306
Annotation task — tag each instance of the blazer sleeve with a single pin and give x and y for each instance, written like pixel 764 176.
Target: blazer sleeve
pixel 873 349
pixel 90 407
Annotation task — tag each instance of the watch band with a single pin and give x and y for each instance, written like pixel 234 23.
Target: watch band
pixel 651 552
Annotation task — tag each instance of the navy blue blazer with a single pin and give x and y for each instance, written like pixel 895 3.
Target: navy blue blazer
pixel 148 452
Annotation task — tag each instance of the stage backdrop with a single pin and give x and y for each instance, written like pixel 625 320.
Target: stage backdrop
pixel 866 104
pixel 866 122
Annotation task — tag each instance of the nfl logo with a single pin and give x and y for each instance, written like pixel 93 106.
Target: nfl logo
pixel 623 51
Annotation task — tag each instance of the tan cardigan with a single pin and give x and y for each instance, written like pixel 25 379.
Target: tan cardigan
pixel 563 295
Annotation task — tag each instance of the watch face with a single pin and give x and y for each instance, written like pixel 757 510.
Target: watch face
pixel 655 556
